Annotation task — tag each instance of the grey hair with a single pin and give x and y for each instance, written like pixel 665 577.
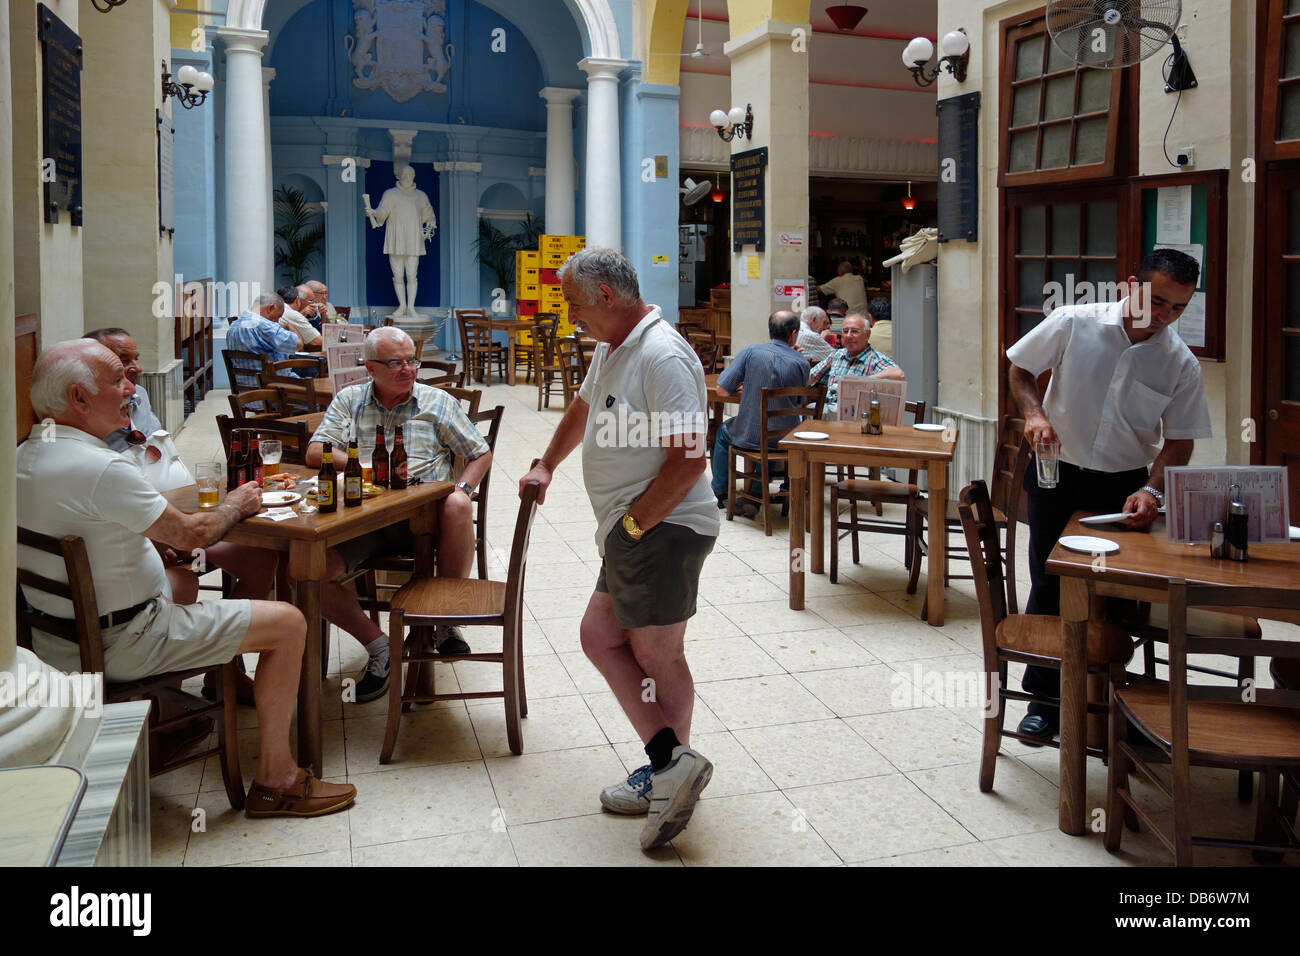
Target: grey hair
pixel 59 368
pixel 267 298
pixel 305 292
pixel 385 333
pixel 593 267
pixel 813 312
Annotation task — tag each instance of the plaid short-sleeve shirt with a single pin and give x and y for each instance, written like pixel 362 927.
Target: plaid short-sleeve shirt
pixel 431 446
pixel 866 362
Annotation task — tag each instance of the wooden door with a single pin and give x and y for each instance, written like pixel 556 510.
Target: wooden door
pixel 1281 365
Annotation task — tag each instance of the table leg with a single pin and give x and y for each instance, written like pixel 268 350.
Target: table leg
pixel 1074 704
pixel 798 468
pixel 307 567
pixel 817 515
pixel 937 562
pixel 510 357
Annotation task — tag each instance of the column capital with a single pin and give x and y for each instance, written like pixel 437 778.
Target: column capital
pixel 238 40
pixel 601 68
pixel 558 96
pixel 268 74
pixel 329 159
pixel 769 31
pixel 403 138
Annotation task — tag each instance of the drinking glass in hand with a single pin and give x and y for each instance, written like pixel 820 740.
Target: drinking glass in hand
pixel 209 475
pixel 1047 454
pixel 271 452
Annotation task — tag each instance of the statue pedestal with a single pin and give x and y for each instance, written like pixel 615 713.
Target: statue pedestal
pixel 418 327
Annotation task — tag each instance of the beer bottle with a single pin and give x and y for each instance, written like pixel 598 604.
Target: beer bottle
pixel 235 463
pixel 397 469
pixel 352 477
pixel 379 458
pixel 253 467
pixel 327 498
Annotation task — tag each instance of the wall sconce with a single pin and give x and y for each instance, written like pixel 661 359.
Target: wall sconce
pixel 737 122
pixel 956 50
pixel 103 6
pixel 909 201
pixel 192 89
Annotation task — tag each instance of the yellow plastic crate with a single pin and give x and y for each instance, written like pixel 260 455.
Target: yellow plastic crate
pixel 528 291
pixel 528 259
pixel 553 260
pixel 574 243
pixel 547 244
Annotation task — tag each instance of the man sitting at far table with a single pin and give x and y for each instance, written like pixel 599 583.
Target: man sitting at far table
pixel 76 485
pixel 856 358
pixel 392 398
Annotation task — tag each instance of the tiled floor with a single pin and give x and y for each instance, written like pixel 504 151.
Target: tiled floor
pixel 828 748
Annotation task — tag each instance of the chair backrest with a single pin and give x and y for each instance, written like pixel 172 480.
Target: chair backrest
pixel 1010 460
pixel 985 549
pixel 572 367
pixel 519 549
pixel 545 327
pixel 470 396
pixel 242 369
pixel 447 373
pixel 344 312
pixel 493 418
pixel 83 628
pixel 807 403
pixel 705 344
pixel 269 402
pixel 294 436
pixel 298 395
pixel 917 410
pixel 316 364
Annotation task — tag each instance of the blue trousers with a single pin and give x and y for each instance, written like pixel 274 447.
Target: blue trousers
pixel 721 457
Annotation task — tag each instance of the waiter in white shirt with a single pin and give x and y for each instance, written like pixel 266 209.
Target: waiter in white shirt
pixel 1121 382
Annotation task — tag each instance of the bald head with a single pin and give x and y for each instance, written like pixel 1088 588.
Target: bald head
pixel 318 287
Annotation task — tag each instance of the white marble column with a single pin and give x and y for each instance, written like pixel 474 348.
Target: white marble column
pixel 560 183
pixel 268 74
pixel 247 183
pixel 604 226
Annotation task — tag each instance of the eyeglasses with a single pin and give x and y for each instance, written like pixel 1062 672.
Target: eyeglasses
pixel 398 364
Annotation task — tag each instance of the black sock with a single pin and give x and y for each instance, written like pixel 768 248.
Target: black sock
pixel 660 748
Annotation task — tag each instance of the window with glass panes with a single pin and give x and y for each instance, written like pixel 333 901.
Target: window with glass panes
pixel 1280 115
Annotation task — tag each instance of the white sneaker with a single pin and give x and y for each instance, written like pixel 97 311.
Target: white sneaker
pixel 630 796
pixel 673 792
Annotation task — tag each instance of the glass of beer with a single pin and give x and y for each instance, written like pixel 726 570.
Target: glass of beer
pixel 209 476
pixel 365 454
pixel 271 450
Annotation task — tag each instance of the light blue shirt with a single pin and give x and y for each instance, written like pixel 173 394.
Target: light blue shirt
pixel 142 418
pixel 253 333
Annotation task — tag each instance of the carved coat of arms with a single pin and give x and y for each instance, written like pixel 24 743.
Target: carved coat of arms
pixel 400 46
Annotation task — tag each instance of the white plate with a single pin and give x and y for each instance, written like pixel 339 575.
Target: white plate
pixel 928 427
pixel 1087 544
pixel 278 499
pixel 812 436
pixel 1295 533
pixel 1104 519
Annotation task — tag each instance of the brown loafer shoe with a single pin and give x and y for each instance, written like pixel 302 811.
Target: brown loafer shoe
pixel 308 797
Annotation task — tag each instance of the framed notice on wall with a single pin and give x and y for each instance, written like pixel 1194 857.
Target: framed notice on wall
pixel 166 175
pixel 61 61
pixel 748 199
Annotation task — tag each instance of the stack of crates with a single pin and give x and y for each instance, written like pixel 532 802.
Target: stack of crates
pixel 537 282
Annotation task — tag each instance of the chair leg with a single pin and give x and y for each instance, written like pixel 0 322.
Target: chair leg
pixel 767 500
pixel 395 622
pixel 914 572
pixel 853 529
pixel 992 725
pixel 1116 780
pixel 512 667
pixel 368 587
pixel 324 648
pixel 833 572
pixel 731 485
pixel 228 737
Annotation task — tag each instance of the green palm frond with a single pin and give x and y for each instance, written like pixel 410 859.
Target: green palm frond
pixel 299 233
pixel 495 248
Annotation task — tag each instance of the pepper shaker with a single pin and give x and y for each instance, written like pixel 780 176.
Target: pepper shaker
pixel 1234 546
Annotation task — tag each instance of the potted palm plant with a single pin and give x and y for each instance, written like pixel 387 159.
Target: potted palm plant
pixel 299 234
pixel 495 248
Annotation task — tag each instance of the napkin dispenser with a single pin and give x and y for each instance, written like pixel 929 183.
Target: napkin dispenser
pixel 1234 536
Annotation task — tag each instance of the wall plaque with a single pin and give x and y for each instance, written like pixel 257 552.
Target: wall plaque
pixel 61 62
pixel 959 167
pixel 166 175
pixel 748 199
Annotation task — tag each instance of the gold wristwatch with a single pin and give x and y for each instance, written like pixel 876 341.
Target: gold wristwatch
pixel 631 527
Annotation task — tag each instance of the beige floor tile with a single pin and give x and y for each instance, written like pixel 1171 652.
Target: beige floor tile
pixel 565 783
pixel 761 701
pixel 183 780
pixel 770 562
pixel 423 738
pixel 328 858
pixel 544 675
pixel 600 839
pixel 559 602
pixel 551 577
pixel 553 723
pixel 855 609
pixel 561 633
pixel 772 617
pixel 231 837
pixel 971 854
pixel 753 829
pixel 905 641
pixel 618 729
pixel 422 802
pixel 171 817
pixel 476 848
pixel 709 623
pixel 1053 848
pixel 1021 801
pixel 821 649
pixel 723 564
pixel 875 817
pixel 853 691
pixel 729 658
pixel 815 585
pixel 744 589
pixel 734 770
pixel 332 757
pixel 920 739
pixel 582 673
pixel 815 752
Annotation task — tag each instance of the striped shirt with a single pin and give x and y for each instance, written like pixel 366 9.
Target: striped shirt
pixel 431 446
pixel 866 362
pixel 254 333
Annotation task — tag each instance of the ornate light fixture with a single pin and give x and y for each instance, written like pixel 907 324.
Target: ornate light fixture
pixel 192 89
pixel 909 201
pixel 103 6
pixel 956 50
pixel 736 122
pixel 846 16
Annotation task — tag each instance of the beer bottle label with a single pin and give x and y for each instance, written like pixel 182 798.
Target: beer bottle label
pixel 325 492
pixel 352 487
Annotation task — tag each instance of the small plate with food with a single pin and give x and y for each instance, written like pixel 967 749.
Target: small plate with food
pixel 279 499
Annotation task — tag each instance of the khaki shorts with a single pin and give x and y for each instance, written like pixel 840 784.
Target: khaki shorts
pixel 653 582
pixel 163 637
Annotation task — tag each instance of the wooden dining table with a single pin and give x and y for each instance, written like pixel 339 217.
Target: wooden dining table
pixel 512 328
pixel 717 405
pixel 899 446
pixel 1139 571
pixel 306 538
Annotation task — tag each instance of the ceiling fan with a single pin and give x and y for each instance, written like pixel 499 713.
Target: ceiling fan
pixel 700 50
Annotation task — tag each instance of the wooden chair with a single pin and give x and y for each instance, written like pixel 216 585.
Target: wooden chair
pixel 470 396
pixel 572 368
pixel 876 492
pixel 1285 672
pixel 462 316
pixel 1207 725
pixel 344 312
pixel 1023 638
pixel 243 369
pixel 294 436
pixel 446 373
pixel 808 402
pixel 484 350
pixel 1010 460
pixel 481 603
pixel 546 359
pixel 317 366
pixel 83 629
pixel 298 395
pixel 705 344
pixel 259 403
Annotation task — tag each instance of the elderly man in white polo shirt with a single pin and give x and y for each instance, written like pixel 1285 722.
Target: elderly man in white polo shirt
pixel 1122 382
pixel 70 483
pixel 640 418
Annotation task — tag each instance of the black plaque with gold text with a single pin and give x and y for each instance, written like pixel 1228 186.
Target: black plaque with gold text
pixel 959 167
pixel 61 63
pixel 748 199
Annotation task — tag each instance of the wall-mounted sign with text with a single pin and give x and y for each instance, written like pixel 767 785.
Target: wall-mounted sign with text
pixel 748 202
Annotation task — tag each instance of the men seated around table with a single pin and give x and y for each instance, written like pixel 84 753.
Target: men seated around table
pixel 1125 391
pixel 324 307
pixel 297 305
pixel 772 364
pixel 258 330
pixel 847 285
pixel 882 326
pixel 77 485
pixel 392 398
pixel 856 358
pixel 813 321
pixel 252 568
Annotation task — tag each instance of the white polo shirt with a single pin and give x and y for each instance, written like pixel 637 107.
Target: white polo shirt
pixel 650 387
pixel 294 319
pixel 1109 399
pixel 77 485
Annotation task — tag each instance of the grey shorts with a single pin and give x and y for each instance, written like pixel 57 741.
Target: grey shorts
pixel 653 582
pixel 163 637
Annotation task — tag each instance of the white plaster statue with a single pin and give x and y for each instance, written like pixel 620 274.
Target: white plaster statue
pixel 410 223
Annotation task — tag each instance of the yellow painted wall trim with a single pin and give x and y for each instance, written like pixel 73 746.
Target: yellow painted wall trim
pixel 666 20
